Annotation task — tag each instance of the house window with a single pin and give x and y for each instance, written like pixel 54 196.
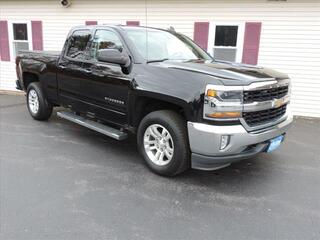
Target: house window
pixel 20 39
pixel 225 41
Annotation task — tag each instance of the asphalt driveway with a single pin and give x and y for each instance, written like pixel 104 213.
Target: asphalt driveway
pixel 62 181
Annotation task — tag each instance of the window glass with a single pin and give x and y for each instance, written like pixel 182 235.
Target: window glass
pixel 156 44
pixel 225 54
pixel 104 39
pixel 20 38
pixel 78 46
pixel 20 31
pixel 226 36
pixel 19 46
pixel 225 43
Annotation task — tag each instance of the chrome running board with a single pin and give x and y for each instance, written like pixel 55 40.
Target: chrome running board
pixel 95 126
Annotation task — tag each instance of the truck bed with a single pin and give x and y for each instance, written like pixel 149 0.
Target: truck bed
pixel 41 53
pixel 47 57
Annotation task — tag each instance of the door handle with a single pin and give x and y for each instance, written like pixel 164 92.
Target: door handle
pixel 87 70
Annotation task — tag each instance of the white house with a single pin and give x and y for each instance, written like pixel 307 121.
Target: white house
pixel 280 34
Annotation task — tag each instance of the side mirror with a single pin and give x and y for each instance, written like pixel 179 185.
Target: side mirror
pixel 114 56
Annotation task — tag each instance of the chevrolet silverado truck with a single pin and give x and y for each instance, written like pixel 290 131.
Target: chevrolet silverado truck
pixel 187 109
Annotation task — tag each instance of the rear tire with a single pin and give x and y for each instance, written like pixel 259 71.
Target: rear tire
pixel 163 142
pixel 38 106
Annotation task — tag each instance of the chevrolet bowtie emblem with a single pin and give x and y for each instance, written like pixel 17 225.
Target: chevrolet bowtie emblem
pixel 278 103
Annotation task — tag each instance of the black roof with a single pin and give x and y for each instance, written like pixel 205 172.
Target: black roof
pixel 118 26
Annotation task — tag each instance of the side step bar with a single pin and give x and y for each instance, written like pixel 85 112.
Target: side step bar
pixel 98 127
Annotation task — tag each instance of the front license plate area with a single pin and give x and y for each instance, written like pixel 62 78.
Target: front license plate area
pixel 275 143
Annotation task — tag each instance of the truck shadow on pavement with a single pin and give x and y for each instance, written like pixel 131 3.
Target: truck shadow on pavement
pixel 124 156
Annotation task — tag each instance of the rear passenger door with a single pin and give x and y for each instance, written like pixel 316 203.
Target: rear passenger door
pixel 71 73
pixel 106 87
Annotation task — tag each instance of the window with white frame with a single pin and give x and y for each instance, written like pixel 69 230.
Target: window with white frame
pixel 20 37
pixel 226 41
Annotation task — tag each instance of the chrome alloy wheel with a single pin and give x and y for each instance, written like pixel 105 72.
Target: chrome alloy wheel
pixel 158 144
pixel 33 101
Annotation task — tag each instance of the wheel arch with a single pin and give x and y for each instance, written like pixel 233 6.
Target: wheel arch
pixel 29 70
pixel 146 103
pixel 29 77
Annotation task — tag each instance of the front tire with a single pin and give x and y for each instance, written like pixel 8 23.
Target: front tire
pixel 38 106
pixel 163 142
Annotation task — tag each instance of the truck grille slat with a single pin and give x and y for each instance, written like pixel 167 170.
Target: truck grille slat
pixel 264 94
pixel 264 116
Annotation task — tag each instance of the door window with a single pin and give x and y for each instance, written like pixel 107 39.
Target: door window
pixel 105 39
pixel 78 45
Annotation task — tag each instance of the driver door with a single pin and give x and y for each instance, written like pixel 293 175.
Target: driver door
pixel 105 87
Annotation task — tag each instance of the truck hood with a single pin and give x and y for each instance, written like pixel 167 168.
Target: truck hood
pixel 227 72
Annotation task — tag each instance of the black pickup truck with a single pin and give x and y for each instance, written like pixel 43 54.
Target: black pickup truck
pixel 186 108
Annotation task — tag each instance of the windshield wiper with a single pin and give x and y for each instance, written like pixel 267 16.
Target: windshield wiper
pixel 158 60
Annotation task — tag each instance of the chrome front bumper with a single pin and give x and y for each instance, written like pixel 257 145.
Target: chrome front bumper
pixel 205 143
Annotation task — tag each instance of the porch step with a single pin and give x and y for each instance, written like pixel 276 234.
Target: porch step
pixel 95 126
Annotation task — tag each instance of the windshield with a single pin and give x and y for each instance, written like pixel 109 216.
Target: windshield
pixel 159 45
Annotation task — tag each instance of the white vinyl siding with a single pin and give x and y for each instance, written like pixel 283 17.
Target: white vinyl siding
pixel 290 36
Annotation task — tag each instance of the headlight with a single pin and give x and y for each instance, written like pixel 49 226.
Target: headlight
pixel 225 96
pixel 223 102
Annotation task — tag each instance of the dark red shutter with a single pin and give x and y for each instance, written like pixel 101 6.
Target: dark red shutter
pixel 201 33
pixel 91 22
pixel 4 41
pixel 251 43
pixel 133 23
pixel 37 35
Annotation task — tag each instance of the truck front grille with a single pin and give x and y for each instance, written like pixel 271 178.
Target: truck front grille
pixel 264 116
pixel 264 94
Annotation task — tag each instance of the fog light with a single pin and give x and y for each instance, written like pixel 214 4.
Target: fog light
pixel 224 141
